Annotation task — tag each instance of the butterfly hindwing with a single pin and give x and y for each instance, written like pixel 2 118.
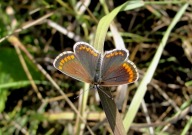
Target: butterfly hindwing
pixel 111 59
pixel 116 70
pixel 88 65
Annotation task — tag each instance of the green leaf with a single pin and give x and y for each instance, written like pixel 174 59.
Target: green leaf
pixel 11 72
pixel 108 104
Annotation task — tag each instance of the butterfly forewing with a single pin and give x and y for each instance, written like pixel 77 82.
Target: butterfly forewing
pixel 115 70
pixel 111 59
pixel 88 57
pixel 68 64
pixel 88 65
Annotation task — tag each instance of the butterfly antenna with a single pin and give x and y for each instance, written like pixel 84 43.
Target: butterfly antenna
pixel 104 92
pixel 80 93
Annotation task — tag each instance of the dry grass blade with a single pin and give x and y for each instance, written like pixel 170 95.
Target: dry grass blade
pixel 35 98
pixel 148 76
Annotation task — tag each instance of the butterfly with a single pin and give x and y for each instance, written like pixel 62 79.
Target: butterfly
pixel 88 65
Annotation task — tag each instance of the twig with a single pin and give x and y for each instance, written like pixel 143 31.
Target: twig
pixel 52 81
pixel 148 119
pixel 24 65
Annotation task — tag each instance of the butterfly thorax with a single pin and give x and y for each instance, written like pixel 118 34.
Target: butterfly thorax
pixel 97 76
pixel 88 65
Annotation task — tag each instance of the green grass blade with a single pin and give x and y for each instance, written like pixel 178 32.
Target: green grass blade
pixel 20 84
pixel 82 108
pixel 109 106
pixel 149 74
pixel 187 127
pixel 106 20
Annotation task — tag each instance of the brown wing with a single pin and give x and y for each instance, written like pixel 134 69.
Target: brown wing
pixel 68 64
pixel 116 71
pixel 88 57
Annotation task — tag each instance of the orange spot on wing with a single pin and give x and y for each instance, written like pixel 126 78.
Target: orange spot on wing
pixel 69 58
pixel 62 61
pixel 129 70
pixel 65 59
pixel 72 56
pixel 107 56
pixel 88 49
pixel 60 67
pixel 120 53
pixel 81 47
pixel 112 54
pixel 125 65
pixel 95 54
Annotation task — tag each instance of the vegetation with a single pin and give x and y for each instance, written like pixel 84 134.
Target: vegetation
pixel 35 98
